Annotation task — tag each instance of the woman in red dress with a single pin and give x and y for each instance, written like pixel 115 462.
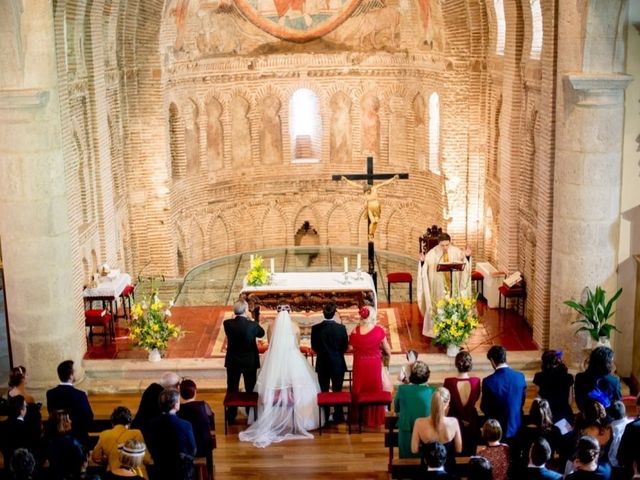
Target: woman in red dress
pixel 368 341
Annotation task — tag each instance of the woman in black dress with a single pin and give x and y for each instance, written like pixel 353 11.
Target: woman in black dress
pixel 597 378
pixel 554 385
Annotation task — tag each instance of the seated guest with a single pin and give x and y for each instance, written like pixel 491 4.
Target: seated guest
pixel 405 370
pixel 465 392
pixel 170 440
pixel 554 385
pixel 65 453
pixel 106 452
pixel 22 465
pixel 629 442
pixel 18 433
pixel 130 458
pixel 539 455
pixel 585 465
pixel 494 451
pixel 619 421
pixel 540 425
pixel 594 422
pixel 598 374
pixel 18 384
pixel 73 401
pixel 199 414
pixel 412 401
pixel 434 456
pixel 148 407
pixel 438 428
pixel 479 468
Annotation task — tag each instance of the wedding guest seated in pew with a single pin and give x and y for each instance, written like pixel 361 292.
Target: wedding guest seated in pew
pixel 628 449
pixel 594 422
pixel 199 414
pixel 106 452
pixel 18 432
pixel 496 452
pixel 18 384
pixel 479 468
pixel 66 456
pixel 540 425
pixel 437 427
pixel 411 402
pixel 619 421
pixel 435 459
pixel 149 402
pixel 539 455
pixel 465 392
pixel 585 466
pixel 130 461
pixel 598 382
pixel 554 385
pixel 22 465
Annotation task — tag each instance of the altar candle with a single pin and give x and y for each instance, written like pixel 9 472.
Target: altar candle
pixel 250 261
pixel 359 262
pixel 273 266
pixel 346 264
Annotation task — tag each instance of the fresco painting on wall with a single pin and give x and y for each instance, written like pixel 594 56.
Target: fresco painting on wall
pixel 297 20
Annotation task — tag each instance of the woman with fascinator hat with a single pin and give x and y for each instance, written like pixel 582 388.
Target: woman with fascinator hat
pixel 287 388
pixel 369 342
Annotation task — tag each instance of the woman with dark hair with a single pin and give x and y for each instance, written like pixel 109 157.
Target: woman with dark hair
pixel 412 401
pixel 106 452
pixel 598 382
pixel 594 422
pixel 18 384
pixel 465 392
pixel 554 384
pixel 66 455
pixel 585 464
pixel 540 425
pixel 199 414
pixel 479 468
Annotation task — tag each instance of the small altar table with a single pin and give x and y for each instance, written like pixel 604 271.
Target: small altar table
pixel 312 290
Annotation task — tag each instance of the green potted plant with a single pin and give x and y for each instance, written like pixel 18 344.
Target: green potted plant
pixel 595 312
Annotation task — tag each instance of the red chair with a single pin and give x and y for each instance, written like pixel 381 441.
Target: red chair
pixel 96 317
pixel 239 399
pixel 308 352
pixel 399 277
pixel 127 296
pixel 372 399
pixel 478 279
pixel 335 399
pixel 517 292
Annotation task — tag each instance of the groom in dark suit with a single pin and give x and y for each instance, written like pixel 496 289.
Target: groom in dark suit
pixel 503 393
pixel 329 340
pixel 242 356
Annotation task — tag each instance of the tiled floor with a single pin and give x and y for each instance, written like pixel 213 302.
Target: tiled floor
pixel 202 325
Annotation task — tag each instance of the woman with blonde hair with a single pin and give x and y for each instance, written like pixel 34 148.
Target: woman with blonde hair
pixel 132 454
pixel 369 342
pixel 437 427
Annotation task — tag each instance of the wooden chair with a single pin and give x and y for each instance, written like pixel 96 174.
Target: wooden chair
pixel 517 292
pixel 399 277
pixel 99 317
pixel 478 279
pixel 127 297
pixel 335 399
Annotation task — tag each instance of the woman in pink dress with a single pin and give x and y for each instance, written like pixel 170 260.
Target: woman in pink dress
pixel 368 341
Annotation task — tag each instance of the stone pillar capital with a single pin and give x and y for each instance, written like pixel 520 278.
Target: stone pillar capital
pixel 598 89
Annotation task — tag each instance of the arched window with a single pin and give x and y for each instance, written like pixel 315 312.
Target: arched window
pixel 305 126
pixel 434 133
pixel 536 29
pixel 501 26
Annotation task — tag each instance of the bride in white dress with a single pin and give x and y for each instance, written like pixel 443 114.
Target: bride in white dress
pixel 287 388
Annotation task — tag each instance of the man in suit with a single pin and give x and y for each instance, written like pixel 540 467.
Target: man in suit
pixel 329 340
pixel 73 401
pixel 628 449
pixel 503 393
pixel 170 440
pixel 149 407
pixel 242 356
pixel 539 455
pixel 435 456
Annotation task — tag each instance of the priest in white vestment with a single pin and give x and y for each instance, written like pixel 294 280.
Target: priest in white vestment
pixel 434 285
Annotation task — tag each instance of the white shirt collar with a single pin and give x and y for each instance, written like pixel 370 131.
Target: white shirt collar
pixel 66 383
pixel 531 465
pixel 502 365
pixel 436 469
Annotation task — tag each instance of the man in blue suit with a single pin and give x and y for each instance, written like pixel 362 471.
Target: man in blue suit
pixel 539 455
pixel 73 401
pixel 170 440
pixel 503 393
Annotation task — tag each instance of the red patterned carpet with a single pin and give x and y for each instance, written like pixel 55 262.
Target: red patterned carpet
pixel 204 338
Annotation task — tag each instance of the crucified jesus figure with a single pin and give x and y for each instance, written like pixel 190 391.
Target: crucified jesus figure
pixel 371 202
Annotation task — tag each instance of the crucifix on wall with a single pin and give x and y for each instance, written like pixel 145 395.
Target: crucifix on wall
pixel 372 204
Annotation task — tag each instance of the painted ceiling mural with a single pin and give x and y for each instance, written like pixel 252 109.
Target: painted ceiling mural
pixel 297 20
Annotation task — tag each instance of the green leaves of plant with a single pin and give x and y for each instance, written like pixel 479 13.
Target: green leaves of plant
pixel 595 313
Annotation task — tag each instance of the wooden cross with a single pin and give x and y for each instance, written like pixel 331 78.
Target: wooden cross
pixel 370 177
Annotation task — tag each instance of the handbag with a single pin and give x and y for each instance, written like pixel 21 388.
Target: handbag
pixel 601 396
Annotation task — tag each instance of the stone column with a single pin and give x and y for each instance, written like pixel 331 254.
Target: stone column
pixel 42 307
pixel 588 160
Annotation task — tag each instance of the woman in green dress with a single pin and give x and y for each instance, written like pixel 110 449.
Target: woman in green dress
pixel 413 400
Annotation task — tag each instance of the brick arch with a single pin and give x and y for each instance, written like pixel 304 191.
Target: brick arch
pixel 338 230
pixel 273 232
pixel 196 243
pixel 218 237
pixel 307 213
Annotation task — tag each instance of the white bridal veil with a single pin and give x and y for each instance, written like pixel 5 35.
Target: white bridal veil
pixel 287 387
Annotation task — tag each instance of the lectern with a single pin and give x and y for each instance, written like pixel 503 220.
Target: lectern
pixel 450 267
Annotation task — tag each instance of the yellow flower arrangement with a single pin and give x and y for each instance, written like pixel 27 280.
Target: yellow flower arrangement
pixel 257 274
pixel 454 319
pixel 150 327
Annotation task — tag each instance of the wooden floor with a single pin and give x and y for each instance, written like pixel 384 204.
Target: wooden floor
pixel 334 454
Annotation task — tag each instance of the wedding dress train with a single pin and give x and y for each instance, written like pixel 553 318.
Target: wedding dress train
pixel 287 387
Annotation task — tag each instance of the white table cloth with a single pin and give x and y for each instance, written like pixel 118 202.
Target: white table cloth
pixel 112 288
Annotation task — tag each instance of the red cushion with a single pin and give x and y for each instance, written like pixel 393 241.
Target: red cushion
pixel 399 277
pixel 241 399
pixel 306 350
pixel 96 317
pixel 334 398
pixel 511 292
pixel 476 275
pixel 381 397
pixel 128 290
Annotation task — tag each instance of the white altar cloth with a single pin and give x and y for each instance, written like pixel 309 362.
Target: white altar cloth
pixel 112 288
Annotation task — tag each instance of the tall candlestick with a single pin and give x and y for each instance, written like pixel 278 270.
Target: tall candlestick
pixel 250 261
pixel 273 266
pixel 346 264
pixel 359 262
